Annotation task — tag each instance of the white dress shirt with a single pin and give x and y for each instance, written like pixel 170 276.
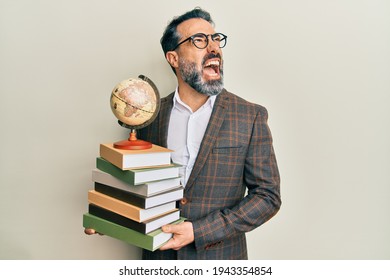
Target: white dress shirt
pixel 186 131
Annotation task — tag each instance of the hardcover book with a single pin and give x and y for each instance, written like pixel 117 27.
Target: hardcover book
pixel 147 189
pixel 138 200
pixel 127 159
pixel 138 176
pixel 128 210
pixel 143 227
pixel 151 241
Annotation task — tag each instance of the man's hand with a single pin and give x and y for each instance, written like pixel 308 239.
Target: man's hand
pixel 183 234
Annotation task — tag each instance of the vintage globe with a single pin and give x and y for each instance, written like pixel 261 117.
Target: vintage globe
pixel 135 102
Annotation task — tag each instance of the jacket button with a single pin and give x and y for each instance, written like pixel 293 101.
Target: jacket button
pixel 184 201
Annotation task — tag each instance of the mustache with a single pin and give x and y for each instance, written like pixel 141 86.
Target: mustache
pixel 210 56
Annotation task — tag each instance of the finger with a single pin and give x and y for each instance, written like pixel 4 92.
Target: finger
pixel 167 245
pixel 89 231
pixel 173 244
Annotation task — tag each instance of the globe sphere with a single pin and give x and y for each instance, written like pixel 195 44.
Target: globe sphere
pixel 135 102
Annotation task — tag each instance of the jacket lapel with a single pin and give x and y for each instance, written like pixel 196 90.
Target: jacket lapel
pixel 216 119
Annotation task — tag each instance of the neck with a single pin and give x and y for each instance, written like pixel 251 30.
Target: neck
pixel 191 97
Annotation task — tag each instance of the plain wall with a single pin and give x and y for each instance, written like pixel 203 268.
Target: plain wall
pixel 321 68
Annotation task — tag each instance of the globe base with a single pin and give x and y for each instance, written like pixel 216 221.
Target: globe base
pixel 133 143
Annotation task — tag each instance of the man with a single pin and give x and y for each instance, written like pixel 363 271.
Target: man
pixel 223 143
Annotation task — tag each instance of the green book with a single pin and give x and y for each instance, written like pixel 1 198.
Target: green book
pixel 151 241
pixel 140 175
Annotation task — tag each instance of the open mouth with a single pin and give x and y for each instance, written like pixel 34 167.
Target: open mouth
pixel 212 68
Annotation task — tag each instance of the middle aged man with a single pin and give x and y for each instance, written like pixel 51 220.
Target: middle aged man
pixel 223 143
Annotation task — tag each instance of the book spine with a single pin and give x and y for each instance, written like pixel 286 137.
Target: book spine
pixel 124 175
pixel 111 156
pixel 122 195
pixel 107 179
pixel 114 205
pixel 116 218
pixel 119 232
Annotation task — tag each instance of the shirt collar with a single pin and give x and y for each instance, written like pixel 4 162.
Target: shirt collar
pixel 178 102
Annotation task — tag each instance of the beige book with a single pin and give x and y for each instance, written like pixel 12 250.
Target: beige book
pixel 128 210
pixel 130 159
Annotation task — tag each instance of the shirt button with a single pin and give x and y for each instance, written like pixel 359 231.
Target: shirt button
pixel 184 201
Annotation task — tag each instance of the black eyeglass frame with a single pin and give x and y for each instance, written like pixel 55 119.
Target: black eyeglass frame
pixel 212 36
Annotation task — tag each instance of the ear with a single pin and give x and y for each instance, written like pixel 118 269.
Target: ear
pixel 173 58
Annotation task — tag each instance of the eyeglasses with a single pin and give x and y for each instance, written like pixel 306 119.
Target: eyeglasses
pixel 201 40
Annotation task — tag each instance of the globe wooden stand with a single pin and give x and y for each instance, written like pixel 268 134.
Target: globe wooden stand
pixel 133 143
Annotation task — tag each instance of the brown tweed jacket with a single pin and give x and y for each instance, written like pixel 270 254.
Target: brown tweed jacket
pixel 236 154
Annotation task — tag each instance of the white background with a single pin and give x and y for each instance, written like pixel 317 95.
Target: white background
pixel 321 68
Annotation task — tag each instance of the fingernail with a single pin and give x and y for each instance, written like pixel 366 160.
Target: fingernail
pixel 165 228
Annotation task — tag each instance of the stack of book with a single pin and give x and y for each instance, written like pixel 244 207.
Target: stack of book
pixel 134 195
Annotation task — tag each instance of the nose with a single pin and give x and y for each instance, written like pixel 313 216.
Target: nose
pixel 213 46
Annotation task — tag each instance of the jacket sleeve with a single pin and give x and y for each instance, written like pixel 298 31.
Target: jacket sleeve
pixel 262 202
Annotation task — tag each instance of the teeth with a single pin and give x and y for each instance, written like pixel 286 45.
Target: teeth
pixel 213 62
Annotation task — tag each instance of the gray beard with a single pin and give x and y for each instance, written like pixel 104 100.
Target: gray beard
pixel 193 78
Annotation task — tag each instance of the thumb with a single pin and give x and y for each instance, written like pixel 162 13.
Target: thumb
pixel 169 228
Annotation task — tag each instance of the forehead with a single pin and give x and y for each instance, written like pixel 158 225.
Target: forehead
pixel 193 26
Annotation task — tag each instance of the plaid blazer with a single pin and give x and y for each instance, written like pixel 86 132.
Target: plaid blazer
pixel 236 155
